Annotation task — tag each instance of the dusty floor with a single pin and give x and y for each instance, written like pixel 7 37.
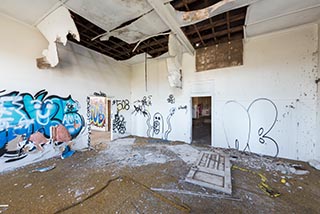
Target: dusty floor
pixel 117 177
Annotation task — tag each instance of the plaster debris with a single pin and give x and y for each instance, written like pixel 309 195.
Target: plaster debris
pixel 28 185
pixel 44 169
pixel 204 195
pixel 125 153
pixel 255 161
pixel 315 164
pixel 55 28
pixel 186 152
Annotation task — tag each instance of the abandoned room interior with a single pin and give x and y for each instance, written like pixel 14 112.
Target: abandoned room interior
pixel 159 106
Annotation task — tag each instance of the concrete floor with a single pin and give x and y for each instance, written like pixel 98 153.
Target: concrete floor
pixel 118 177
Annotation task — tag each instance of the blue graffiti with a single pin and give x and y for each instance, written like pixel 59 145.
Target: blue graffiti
pixel 25 114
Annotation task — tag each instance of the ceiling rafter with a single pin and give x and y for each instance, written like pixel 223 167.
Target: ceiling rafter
pixel 224 27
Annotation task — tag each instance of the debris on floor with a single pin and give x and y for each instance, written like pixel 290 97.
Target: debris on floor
pixel 118 177
pixel 262 185
pixel 212 170
pixel 221 196
pixel 315 164
pixel 186 152
pixel 142 199
pixel 44 169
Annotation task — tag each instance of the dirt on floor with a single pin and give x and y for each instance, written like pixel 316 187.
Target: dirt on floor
pixel 121 177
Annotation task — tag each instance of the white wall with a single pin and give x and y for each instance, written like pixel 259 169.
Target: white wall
pixel 280 67
pixel 79 73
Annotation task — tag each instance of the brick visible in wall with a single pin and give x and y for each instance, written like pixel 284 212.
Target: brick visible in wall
pixel 220 56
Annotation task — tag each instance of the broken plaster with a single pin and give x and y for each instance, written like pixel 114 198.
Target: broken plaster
pixel 151 24
pixel 55 28
pixel 174 62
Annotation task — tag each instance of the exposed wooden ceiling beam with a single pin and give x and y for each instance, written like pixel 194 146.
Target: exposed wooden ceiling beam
pixel 166 13
pixel 219 34
pixel 221 22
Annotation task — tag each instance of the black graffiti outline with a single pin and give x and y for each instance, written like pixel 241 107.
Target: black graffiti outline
pixel 122 104
pixel 88 120
pixel 172 111
pixel 262 135
pixel 141 107
pixel 171 99
pixel 119 124
pixel 99 94
pixel 157 124
pixel 183 107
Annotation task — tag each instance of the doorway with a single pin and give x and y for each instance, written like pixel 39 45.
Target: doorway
pixel 201 121
pixel 100 119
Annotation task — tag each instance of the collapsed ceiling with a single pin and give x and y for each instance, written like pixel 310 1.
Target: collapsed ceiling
pixel 130 38
pixel 126 28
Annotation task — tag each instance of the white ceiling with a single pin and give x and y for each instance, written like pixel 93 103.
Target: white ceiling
pixel 271 15
pixel 25 11
pixel 263 15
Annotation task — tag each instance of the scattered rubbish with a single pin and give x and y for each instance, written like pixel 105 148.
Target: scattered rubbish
pixel 212 170
pixel 28 185
pixel 44 169
pixel 182 207
pixel 197 194
pixel 315 164
pixel 262 185
pixel 299 170
pixel 283 180
pixel 67 152
pixel 4 205
pixel 268 190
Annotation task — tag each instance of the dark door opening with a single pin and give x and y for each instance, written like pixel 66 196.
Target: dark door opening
pixel 201 120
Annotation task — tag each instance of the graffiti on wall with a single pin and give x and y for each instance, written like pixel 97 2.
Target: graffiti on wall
pixel 27 120
pixel 98 111
pixel 121 104
pixel 158 124
pixel 255 123
pixel 185 107
pixel 89 120
pixel 119 122
pixel 171 99
pixel 141 106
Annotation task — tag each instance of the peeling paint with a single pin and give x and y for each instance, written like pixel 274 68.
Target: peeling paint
pixel 174 62
pixel 55 28
pixel 146 26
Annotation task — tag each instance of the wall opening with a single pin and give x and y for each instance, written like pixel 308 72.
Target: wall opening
pixel 201 120
pixel 100 119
